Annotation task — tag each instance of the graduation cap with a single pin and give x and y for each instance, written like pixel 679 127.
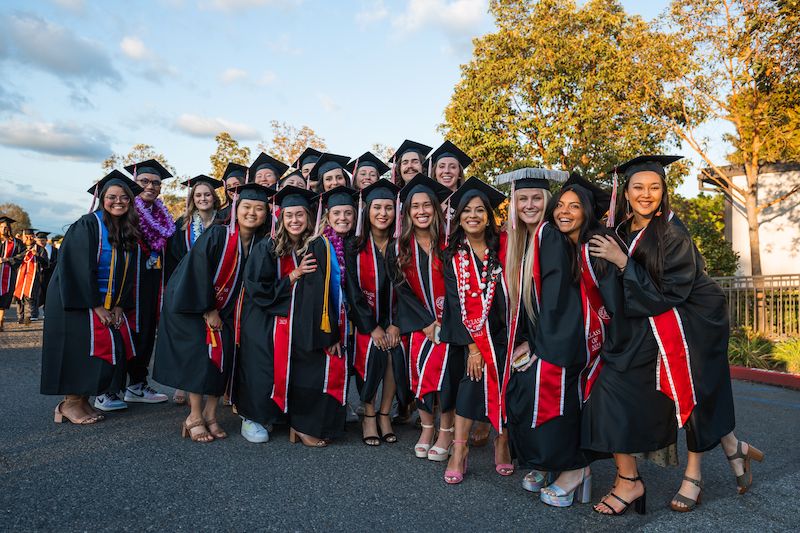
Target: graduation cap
pixel 29 231
pixel 309 155
pixel 411 146
pixel 367 159
pixel 642 163
pixel 337 196
pixel 447 149
pixel 151 166
pixel 264 161
pixel 6 219
pixel 254 191
pixel 291 196
pixel 600 198
pixel 528 178
pixel 380 190
pixel 235 170
pixel 42 234
pixel 422 183
pixel 202 178
pixel 326 163
pixel 115 177
pixel 474 187
pixel 297 173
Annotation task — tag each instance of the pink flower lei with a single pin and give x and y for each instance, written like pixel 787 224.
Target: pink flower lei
pixel 338 245
pixel 155 223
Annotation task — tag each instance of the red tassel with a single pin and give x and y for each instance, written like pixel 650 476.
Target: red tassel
pixel 447 222
pixel 612 209
pixel 94 196
pixel 397 220
pixel 319 215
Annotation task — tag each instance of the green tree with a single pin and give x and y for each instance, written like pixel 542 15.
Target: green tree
pixel 20 216
pixel 704 217
pixel 228 151
pixel 288 142
pixel 555 84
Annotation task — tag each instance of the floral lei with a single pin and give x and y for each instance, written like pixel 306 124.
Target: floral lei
pixel 338 245
pixel 156 224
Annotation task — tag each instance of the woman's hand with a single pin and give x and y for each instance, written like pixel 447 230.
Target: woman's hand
pixel 117 314
pixel 392 336
pixel 105 316
pixel 307 265
pixel 379 338
pixel 475 365
pixel 430 331
pixel 607 248
pixel 213 320
pixel 520 350
pixel 336 350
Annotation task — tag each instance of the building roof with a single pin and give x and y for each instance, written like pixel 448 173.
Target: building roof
pixel 707 176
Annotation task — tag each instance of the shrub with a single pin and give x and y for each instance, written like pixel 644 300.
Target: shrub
pixel 750 349
pixel 788 353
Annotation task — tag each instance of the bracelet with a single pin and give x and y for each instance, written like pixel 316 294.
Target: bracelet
pixel 474 354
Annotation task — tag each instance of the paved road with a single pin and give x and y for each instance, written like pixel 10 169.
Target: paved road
pixel 132 472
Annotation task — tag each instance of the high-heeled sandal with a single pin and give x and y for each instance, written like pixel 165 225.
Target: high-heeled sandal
pixel 369 440
pixel 504 469
pixel 688 503
pixel 454 477
pixel 421 448
pixel 179 397
pixel 59 416
pixel 746 479
pixel 639 504
pixel 220 433
pixel 388 438
pixel 555 496
pixel 439 454
pixel 203 436
pixel 536 479
pixel 295 436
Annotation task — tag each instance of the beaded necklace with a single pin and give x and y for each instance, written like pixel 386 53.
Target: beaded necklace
pixel 486 283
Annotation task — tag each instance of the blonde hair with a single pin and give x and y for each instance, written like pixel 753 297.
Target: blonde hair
pixel 283 243
pixel 191 208
pixel 519 254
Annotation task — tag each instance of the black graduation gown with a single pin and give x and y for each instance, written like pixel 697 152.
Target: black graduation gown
pixel 310 410
pixel 363 317
pixel 624 412
pixel 73 292
pixel 47 271
pixel 14 259
pixel 703 309
pixel 471 399
pixel 556 335
pixel 175 250
pixel 412 315
pixel 182 358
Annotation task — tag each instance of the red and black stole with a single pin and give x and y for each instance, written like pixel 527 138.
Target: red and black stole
pixel 225 279
pixel 427 360
pixel 6 271
pixel 26 274
pixel 335 384
pixel 673 368
pixel 367 272
pixel 595 320
pixel 282 339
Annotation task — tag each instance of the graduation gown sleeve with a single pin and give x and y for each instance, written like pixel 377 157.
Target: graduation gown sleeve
pixel 194 286
pixel 261 283
pixel 410 313
pixel 361 313
pixel 78 265
pixel 309 301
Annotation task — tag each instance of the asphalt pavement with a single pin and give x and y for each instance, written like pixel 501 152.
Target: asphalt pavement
pixel 133 472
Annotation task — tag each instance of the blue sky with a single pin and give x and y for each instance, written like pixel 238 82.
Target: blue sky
pixel 82 79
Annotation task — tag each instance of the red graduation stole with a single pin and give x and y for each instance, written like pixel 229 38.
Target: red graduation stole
pixel 495 408
pixel 428 360
pixel 26 275
pixel 5 269
pixel 367 272
pixel 550 389
pixel 672 365
pixel 336 377
pixel 282 340
pixel 224 281
pixel 595 318
pixel 102 340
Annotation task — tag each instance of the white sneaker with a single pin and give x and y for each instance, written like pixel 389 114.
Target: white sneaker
pixel 109 402
pixel 143 393
pixel 253 431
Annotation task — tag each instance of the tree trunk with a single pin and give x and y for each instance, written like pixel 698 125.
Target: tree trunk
pixel 751 209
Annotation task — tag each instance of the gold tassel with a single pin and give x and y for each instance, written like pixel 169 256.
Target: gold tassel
pixel 110 287
pixel 325 325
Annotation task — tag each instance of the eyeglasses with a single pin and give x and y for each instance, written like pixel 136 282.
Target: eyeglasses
pixel 113 198
pixel 144 182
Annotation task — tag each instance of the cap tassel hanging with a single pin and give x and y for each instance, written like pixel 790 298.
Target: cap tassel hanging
pixel 447 222
pixel 394 169
pixel 232 223
pixel 94 196
pixel 247 176
pixel 319 215
pixel 430 167
pixel 512 206
pixel 398 206
pixel 612 209
pixel 325 323
pixel 355 171
pixel 360 215
pixel 274 228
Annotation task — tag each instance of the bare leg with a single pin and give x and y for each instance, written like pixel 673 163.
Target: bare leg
pixel 460 451
pixel 446 421
pixel 210 416
pixel 196 415
pixel 428 429
pixel 389 388
pixel 625 489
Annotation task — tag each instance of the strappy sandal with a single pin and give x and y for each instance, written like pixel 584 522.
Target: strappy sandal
pixel 454 477
pixel 203 436
pixel 220 433
pixel 295 436
pixel 504 469
pixel 639 504
pixel 369 440
pixel 438 453
pixel 59 416
pixel 179 398
pixel 688 503
pixel 388 438
pixel 421 449
pixel 746 479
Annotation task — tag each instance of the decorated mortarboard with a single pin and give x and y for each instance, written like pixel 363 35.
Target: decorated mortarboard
pixel 235 170
pixel 9 220
pixel 326 163
pixel 367 159
pixel 600 198
pixel 151 166
pixel 264 161
pixel 115 177
pixel 642 163
pixel 337 196
pixel 202 178
pixel 42 234
pixel 474 187
pixel 422 183
pixel 528 178
pixel 291 196
pixel 309 155
pixel 448 149
pixel 254 191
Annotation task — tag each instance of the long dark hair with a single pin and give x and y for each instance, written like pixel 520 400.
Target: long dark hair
pixel 435 229
pixel 649 251
pixel 361 241
pixel 492 235
pixel 589 228
pixel 123 231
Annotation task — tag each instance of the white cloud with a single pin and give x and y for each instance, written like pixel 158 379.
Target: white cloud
pixel 454 16
pixel 371 12
pixel 239 5
pixel 154 67
pixel 327 103
pixel 67 141
pixel 198 126
pixel 134 48
pixel 232 75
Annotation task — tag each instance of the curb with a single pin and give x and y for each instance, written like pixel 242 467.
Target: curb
pixel 767 377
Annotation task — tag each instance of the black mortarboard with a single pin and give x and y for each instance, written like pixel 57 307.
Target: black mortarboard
pixel 297 173
pixel 337 196
pixel 202 178
pixel 267 161
pixel 411 146
pixel 474 187
pixel 422 183
pixel 654 163
pixel 367 159
pixel 380 190
pixel 151 166
pixel 601 199
pixel 254 191
pixel 4 218
pixel 115 177
pixel 42 234
pixel 291 196
pixel 532 178
pixel 326 163
pixel 448 149
pixel 29 231
pixel 235 170
pixel 309 155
